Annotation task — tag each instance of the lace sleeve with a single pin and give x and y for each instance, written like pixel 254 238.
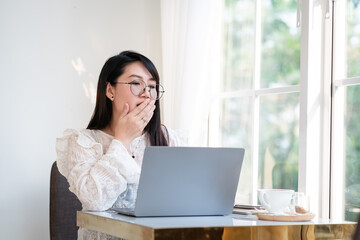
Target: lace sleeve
pixel 97 179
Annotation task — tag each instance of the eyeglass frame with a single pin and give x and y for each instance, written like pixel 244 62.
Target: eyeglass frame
pixel 146 86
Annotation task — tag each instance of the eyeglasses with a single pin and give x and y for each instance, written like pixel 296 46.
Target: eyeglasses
pixel 138 87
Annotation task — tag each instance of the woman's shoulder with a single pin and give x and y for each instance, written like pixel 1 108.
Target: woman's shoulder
pixel 75 142
pixel 83 137
pixel 176 137
pixel 78 140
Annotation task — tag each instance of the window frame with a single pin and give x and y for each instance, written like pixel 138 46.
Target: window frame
pixel 315 91
pixel 315 105
pixel 339 83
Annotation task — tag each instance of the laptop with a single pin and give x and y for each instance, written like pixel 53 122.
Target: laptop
pixel 187 181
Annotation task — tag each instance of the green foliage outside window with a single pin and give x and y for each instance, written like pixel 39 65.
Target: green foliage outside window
pixel 280 66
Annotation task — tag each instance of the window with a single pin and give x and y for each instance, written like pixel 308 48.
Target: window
pixel 258 108
pixel 290 97
pixel 346 99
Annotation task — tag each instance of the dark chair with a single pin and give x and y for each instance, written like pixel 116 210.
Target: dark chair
pixel 63 207
pixel 357 231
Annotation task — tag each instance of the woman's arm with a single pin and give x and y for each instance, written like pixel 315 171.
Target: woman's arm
pixel 97 179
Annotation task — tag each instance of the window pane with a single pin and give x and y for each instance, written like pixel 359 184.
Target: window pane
pixel 280 54
pixel 279 141
pixel 352 146
pixel 235 127
pixel 238 44
pixel 353 38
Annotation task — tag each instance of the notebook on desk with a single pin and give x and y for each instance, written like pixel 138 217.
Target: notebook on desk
pixel 187 181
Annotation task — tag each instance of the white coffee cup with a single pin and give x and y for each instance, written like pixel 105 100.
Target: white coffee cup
pixel 276 200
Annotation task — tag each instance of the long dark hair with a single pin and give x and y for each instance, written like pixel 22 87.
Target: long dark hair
pixel 112 69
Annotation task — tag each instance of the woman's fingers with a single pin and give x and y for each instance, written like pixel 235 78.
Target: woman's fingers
pixel 146 118
pixel 149 108
pixel 140 108
pixel 131 124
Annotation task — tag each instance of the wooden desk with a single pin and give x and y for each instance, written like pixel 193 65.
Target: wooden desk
pixel 212 227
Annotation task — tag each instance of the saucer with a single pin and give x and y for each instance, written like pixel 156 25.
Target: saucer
pixel 286 218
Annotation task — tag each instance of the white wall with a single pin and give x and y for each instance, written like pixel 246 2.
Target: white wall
pixel 51 53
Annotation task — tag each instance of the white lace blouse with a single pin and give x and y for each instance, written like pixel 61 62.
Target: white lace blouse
pixel 101 172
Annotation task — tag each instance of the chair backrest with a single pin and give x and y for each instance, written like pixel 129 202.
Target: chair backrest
pixel 357 231
pixel 63 207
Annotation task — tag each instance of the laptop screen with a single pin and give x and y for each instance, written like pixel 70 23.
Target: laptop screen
pixel 184 181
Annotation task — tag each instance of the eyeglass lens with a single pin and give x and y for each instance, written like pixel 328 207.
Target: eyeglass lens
pixel 138 87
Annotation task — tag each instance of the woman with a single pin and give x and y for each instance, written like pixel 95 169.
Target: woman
pixel 102 163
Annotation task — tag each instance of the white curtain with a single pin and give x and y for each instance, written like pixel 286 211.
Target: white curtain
pixel 191 48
